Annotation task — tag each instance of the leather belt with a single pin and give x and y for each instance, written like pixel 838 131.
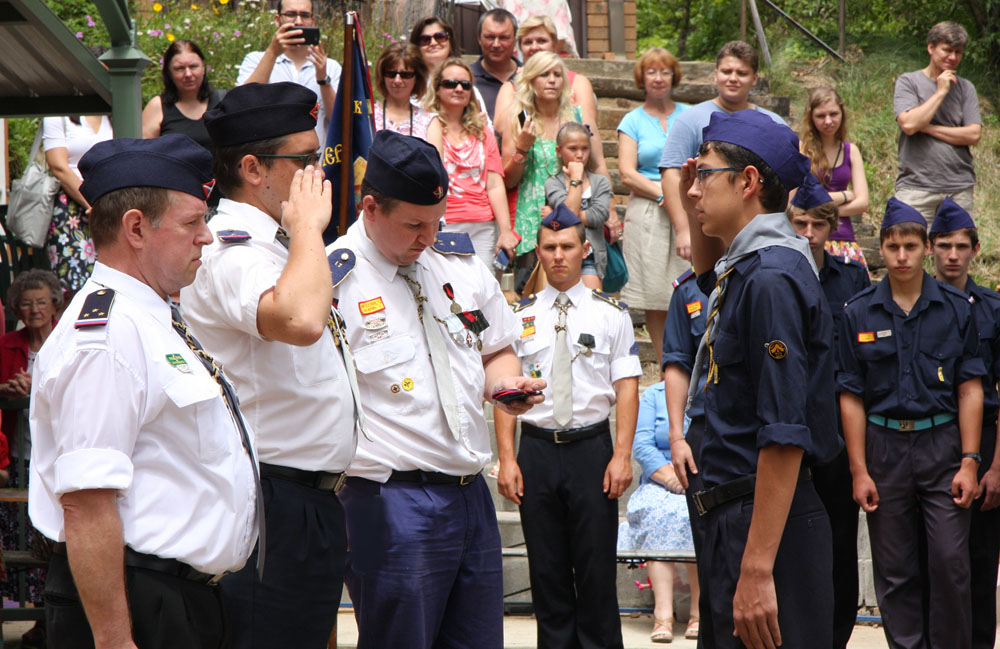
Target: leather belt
pixel 171 567
pixel 433 477
pixel 323 480
pixel 709 499
pixel 907 425
pixel 565 435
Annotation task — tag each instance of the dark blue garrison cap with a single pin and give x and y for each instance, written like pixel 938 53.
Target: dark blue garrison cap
pixel 172 161
pixel 896 212
pixel 774 143
pixel 261 111
pixel 406 168
pixel 951 217
pixel 811 194
pixel 559 218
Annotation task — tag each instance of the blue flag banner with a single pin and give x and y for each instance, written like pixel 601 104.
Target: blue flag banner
pixel 358 99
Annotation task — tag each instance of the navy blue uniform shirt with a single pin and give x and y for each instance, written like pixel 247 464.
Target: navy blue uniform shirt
pixel 986 309
pixel 908 366
pixel 684 330
pixel 770 394
pixel 842 278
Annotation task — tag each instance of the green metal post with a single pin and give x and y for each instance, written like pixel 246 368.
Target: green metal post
pixel 125 64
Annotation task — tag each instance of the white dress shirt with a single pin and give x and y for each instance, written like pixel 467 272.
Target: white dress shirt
pixel 398 391
pixel 128 406
pixel 298 399
pixel 613 355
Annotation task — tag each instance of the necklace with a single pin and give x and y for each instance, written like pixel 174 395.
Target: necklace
pixel 384 111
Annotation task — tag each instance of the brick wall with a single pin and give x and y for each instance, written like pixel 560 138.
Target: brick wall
pixel 598 38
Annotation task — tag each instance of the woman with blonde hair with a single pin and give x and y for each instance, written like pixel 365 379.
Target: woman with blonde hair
pixel 476 202
pixel 838 165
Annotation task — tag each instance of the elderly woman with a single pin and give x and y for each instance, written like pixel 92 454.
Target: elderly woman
pixel 401 77
pixel 187 95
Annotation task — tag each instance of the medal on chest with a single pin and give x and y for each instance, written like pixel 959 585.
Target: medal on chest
pixel 463 326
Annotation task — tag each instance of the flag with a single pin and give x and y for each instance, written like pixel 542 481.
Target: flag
pixel 358 99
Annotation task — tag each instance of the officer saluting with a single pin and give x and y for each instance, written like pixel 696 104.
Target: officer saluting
pixel 141 470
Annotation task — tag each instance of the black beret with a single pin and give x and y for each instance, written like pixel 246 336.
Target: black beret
pixel 406 168
pixel 172 161
pixel 260 111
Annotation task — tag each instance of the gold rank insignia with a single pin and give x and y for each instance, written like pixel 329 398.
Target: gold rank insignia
pixel 776 349
pixel 96 309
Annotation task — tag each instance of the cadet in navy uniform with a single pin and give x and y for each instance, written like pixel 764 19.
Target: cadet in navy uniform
pixel 954 244
pixel 814 216
pixel 261 305
pixel 142 467
pixel 568 475
pixel 908 366
pixel 432 335
pixel 769 401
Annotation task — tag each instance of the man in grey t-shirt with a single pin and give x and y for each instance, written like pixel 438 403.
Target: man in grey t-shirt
pixel 938 116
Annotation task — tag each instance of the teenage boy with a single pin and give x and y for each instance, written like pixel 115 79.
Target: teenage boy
pixel 568 476
pixel 814 216
pixel 954 244
pixel 769 401
pixel 911 402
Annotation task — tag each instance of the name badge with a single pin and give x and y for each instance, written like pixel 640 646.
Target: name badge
pixel 866 336
pixel 885 333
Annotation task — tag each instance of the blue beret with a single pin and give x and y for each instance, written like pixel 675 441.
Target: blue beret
pixel 559 218
pixel 172 161
pixel 406 168
pixel 896 212
pixel 774 143
pixel 811 194
pixel 951 217
pixel 260 111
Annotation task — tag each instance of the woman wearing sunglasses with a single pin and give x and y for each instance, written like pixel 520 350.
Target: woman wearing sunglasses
pixel 401 77
pixel 477 203
pixel 435 40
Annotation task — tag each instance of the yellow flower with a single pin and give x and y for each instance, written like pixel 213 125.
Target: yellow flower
pixel 194 7
pixel 223 2
pixel 171 38
pixel 216 10
pixel 157 7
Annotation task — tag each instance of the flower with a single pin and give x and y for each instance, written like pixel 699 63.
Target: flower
pixel 237 33
pixel 79 34
pixel 194 7
pixel 216 35
pixel 223 2
pixel 166 27
pixel 157 7
pixel 171 38
pixel 90 21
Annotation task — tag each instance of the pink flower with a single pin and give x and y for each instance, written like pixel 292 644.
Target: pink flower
pixel 166 27
pixel 79 34
pixel 237 33
pixel 215 34
pixel 90 21
pixel 74 222
pixel 88 251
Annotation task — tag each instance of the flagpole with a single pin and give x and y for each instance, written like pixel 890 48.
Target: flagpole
pixel 347 114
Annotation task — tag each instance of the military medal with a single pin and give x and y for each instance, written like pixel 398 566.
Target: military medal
pixel 450 292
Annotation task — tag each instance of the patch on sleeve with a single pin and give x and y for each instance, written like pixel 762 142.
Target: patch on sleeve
pixel 777 349
pixel 96 309
pixel 453 243
pixel 634 349
pixel 866 336
pixel 233 236
pixel 341 263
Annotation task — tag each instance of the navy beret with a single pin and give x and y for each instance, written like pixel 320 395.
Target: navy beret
pixel 951 217
pixel 172 161
pixel 774 143
pixel 406 168
pixel 559 218
pixel 260 111
pixel 811 194
pixel 896 212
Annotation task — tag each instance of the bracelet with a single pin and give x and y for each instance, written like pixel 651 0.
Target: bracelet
pixel 975 456
pixel 660 199
pixel 844 194
pixel 575 183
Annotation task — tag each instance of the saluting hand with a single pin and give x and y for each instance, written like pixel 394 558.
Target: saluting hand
pixel 309 203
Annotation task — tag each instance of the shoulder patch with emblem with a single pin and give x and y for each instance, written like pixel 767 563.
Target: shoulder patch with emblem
pixel 615 302
pixel 683 278
pixel 524 303
pixel 233 236
pixel 96 309
pixel 453 243
pixel 776 349
pixel 341 262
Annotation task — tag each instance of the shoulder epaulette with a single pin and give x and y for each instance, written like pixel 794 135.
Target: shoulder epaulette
pixel 96 309
pixel 955 293
pixel 615 302
pixel 453 243
pixel 685 277
pixel 233 236
pixel 524 302
pixel 861 294
pixel 341 263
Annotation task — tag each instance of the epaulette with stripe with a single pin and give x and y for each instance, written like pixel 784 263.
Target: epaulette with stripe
pixel 683 278
pixel 96 309
pixel 524 303
pixel 233 236
pixel 341 263
pixel 615 302
pixel 453 243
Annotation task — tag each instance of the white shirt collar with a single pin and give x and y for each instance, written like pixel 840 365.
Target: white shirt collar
pixel 134 289
pixel 258 224
pixel 576 293
pixel 386 267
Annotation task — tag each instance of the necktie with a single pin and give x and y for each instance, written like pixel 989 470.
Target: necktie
pixel 232 404
pixel 562 372
pixel 438 352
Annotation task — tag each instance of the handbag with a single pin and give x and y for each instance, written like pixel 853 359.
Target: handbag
pixel 32 196
pixel 616 274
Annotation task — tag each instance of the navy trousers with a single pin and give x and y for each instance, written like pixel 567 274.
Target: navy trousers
pixel 984 550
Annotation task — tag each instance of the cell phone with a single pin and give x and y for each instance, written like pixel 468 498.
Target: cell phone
pixel 311 35
pixel 501 261
pixel 511 395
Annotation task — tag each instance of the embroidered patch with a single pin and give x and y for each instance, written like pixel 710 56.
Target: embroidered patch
pixel 866 336
pixel 777 350
pixel 178 361
pixel 634 349
pixel 371 306
pixel 527 326
pixel 693 307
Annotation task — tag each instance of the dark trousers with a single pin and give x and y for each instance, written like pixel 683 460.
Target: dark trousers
pixel 424 570
pixel 802 572
pixel 571 533
pixel 167 612
pixel 913 473
pixel 984 550
pixel 695 433
pixel 835 488
pixel 296 603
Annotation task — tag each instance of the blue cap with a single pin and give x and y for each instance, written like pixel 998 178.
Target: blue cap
pixel 406 168
pixel 559 218
pixel 951 217
pixel 171 161
pixel 261 111
pixel 896 212
pixel 811 194
pixel 774 143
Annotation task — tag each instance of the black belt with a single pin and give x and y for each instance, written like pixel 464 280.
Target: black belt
pixel 565 435
pixel 709 499
pixel 433 477
pixel 324 480
pixel 171 567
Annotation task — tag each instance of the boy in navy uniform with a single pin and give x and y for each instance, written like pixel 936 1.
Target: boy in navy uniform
pixel 568 476
pixel 769 401
pixel 911 400
pixel 954 244
pixel 814 216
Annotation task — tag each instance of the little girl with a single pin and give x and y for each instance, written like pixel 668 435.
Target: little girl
pixel 586 193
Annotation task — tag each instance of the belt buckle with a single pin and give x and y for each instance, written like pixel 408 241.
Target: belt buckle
pixel 698 504
pixel 214 581
pixel 555 436
pixel 906 424
pixel 339 484
pixel 466 480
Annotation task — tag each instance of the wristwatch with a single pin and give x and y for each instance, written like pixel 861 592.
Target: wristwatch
pixel 975 456
pixel 323 82
pixel 575 183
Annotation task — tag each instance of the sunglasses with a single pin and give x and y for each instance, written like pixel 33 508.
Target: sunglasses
pixel 440 37
pixel 451 84
pixel 403 74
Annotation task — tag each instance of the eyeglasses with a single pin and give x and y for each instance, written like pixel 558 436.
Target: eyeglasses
pixel 439 37
pixel 292 15
pixel 305 159
pixel 41 303
pixel 451 84
pixel 403 74
pixel 704 173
